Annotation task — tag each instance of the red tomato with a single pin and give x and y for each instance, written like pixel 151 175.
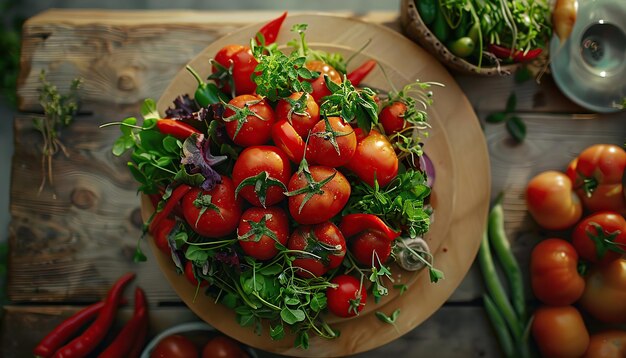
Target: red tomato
pixel 554 273
pixel 255 239
pixel 319 84
pixel 191 275
pixel 321 148
pixel 392 118
pixel 326 201
pixel 324 240
pixel 600 237
pixel 255 160
pixel 605 292
pixel 161 235
pixel 213 213
pixel 252 124
pixel 348 298
pixel 301 112
pixel 597 176
pixel 288 140
pixel 175 346
pixel 243 64
pixel 607 344
pixel 560 331
pixel 370 248
pixel 551 201
pixel 374 158
pixel 223 347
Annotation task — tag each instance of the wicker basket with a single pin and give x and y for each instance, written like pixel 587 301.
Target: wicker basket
pixel 415 29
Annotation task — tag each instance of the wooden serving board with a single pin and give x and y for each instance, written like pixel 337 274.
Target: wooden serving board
pixel 71 241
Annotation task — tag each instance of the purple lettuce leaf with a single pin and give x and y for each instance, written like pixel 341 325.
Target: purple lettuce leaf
pixel 198 159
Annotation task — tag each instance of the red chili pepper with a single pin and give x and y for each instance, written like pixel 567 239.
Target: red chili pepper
pixel 140 339
pixel 66 330
pixel 93 335
pixel 271 29
pixel 516 55
pixel 126 338
pixel 177 129
pixel 172 201
pixel 353 224
pixel 358 74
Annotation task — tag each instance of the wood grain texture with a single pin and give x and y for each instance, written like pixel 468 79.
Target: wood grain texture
pixel 433 336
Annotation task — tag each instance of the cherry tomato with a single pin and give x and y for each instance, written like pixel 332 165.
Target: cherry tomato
pixel 243 63
pixel 374 158
pixel 554 273
pixel 332 142
pixel 252 124
pixel 348 298
pixel 392 118
pixel 597 176
pixel 191 275
pixel 301 113
pixel 223 347
pixel 370 248
pixel 319 84
pixel 161 235
pixel 288 140
pixel 600 237
pixel 255 239
pixel 325 241
pixel 560 331
pixel 607 344
pixel 255 160
pixel 175 346
pixel 213 213
pixel 551 201
pixel 605 292
pixel 326 201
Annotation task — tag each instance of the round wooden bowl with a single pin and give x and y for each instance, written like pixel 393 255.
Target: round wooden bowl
pixel 460 198
pixel 415 28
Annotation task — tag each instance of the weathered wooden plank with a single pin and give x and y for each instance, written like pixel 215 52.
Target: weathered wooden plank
pixel 125 56
pixel 445 333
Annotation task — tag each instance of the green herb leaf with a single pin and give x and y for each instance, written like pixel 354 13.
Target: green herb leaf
pixel 318 302
pixel 302 340
pixel 516 128
pixel 388 319
pixel 511 103
pixel 149 110
pixel 292 316
pixel 496 117
pixel 277 332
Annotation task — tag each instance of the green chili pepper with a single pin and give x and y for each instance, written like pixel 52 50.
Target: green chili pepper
pixel 440 27
pixel 427 10
pixel 206 93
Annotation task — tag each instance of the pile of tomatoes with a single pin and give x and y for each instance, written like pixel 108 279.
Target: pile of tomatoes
pixel 255 211
pixel 586 267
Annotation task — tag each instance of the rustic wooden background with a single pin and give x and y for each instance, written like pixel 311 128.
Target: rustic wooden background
pixel 71 241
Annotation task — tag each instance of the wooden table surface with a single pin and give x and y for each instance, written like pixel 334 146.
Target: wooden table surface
pixel 72 240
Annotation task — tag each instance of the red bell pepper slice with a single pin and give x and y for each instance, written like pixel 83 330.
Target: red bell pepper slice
pixel 178 129
pixel 353 224
pixel 516 55
pixel 271 29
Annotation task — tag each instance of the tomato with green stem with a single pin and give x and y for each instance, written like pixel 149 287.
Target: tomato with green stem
pixel 597 174
pixel 605 292
pixel 232 68
pixel 260 229
pixel 300 110
pixel 600 237
pixel 319 84
pixel 551 201
pixel 560 331
pixel 371 248
pixel 391 117
pixel 261 174
pixel 348 298
pixel 249 120
pixel 317 248
pixel 374 159
pixel 332 142
pixel 554 273
pixel 317 194
pixel 213 213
